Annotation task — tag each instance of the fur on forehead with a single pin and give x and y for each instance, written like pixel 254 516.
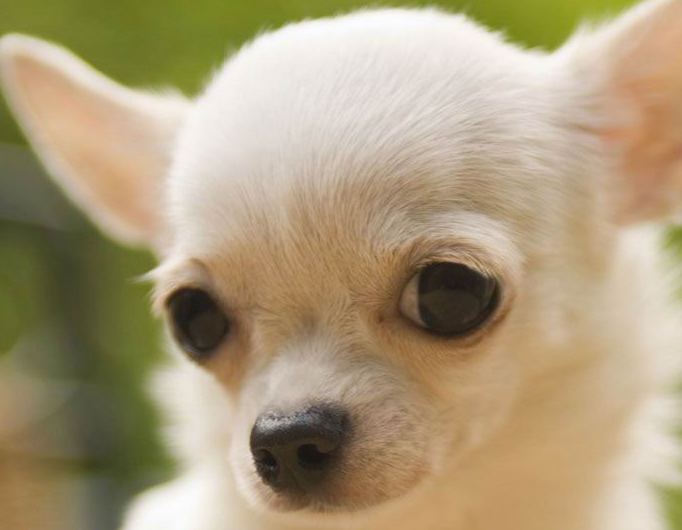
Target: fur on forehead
pixel 344 120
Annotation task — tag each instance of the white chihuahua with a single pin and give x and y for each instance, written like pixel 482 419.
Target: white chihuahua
pixel 404 264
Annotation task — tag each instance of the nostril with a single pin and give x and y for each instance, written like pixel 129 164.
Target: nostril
pixel 311 457
pixel 266 464
pixel 265 458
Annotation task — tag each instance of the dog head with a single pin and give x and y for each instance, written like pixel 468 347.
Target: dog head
pixel 372 229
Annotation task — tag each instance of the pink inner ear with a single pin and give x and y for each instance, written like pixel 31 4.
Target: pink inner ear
pixel 108 146
pixel 86 132
pixel 645 98
pixel 650 159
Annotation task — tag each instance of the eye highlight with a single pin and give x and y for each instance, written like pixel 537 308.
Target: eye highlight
pixel 197 322
pixel 450 299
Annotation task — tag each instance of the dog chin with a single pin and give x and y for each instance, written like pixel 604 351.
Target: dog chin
pixel 329 510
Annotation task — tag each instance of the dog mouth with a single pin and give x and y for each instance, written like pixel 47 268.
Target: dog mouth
pixel 302 504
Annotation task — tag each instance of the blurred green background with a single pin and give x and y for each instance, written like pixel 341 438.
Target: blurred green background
pixel 75 330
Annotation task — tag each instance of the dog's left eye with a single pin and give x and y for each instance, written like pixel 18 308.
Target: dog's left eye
pixel 450 299
pixel 198 323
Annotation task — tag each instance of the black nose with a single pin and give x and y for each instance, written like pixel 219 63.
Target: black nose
pixel 294 452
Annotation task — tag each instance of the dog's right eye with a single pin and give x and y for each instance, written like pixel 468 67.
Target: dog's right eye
pixel 197 321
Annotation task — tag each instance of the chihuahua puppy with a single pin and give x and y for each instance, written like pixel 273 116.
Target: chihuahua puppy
pixel 410 271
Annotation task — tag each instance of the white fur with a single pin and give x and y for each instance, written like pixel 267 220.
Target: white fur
pixel 321 167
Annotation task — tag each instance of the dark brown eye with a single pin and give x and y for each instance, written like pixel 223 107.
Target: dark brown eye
pixel 450 299
pixel 198 323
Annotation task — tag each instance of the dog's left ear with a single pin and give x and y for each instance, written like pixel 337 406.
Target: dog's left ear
pixel 108 146
pixel 631 73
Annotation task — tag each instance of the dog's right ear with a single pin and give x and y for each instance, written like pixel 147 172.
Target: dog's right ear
pixel 108 146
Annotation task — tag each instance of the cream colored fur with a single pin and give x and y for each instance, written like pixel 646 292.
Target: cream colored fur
pixel 322 165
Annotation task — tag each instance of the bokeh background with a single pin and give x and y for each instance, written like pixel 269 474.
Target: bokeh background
pixel 77 342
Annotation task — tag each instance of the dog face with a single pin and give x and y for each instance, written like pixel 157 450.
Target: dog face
pixel 373 230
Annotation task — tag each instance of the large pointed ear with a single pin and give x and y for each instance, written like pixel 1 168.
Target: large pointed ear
pixel 631 70
pixel 108 146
